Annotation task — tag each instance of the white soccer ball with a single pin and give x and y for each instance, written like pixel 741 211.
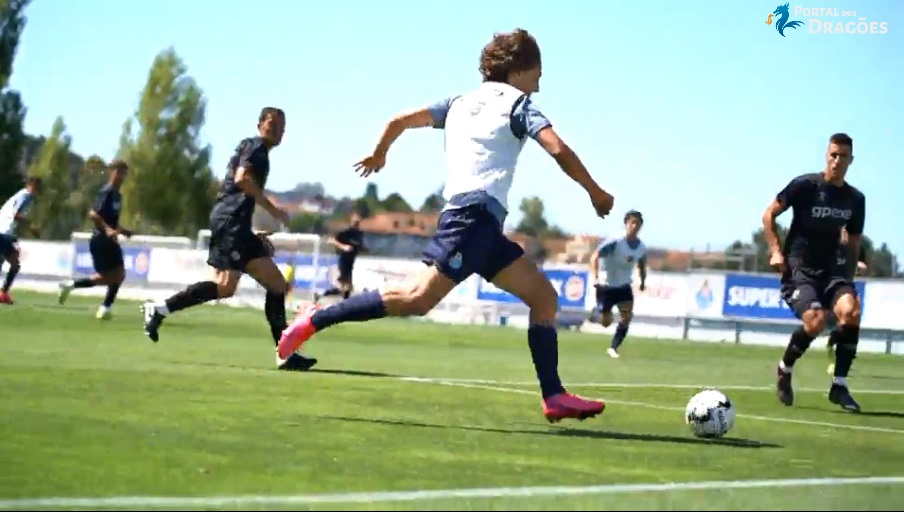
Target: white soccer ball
pixel 710 413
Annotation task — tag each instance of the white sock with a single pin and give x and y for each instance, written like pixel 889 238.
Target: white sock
pixel 69 284
pixel 841 381
pixel 785 369
pixel 162 309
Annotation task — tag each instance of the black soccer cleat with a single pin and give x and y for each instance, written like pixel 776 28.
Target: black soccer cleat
pixel 296 363
pixel 783 388
pixel 152 321
pixel 840 395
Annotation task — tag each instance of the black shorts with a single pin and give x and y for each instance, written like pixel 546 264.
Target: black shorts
pixel 608 297
pixel 106 254
pixel 7 245
pixel 345 270
pixel 803 291
pixel 232 247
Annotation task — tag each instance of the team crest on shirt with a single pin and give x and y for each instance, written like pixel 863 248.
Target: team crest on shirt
pixel 455 261
pixel 630 259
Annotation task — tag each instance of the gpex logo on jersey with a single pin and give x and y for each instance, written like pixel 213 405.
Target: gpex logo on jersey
pixel 822 212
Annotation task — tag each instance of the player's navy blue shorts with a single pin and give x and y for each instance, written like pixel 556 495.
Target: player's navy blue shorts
pixel 607 297
pixel 469 240
pixel 7 245
pixel 106 254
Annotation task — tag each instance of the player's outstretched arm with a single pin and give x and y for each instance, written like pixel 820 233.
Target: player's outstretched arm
pixel 783 200
pixel 432 116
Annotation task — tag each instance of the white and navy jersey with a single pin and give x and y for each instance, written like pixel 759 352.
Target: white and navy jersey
pixel 485 132
pixel 618 258
pixel 16 205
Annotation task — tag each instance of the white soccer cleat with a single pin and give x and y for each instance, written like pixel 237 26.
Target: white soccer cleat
pixel 612 353
pixel 103 313
pixel 65 290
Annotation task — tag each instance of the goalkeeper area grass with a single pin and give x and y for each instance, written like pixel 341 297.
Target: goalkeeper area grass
pixel 408 415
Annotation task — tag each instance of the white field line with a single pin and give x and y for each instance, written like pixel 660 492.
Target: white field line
pixel 653 385
pixel 119 502
pixel 501 389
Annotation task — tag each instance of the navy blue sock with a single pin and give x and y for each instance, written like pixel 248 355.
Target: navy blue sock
pixel 544 350
pixel 359 308
pixel 621 330
pixel 331 291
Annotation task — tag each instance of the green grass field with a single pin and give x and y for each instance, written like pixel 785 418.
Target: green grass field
pixel 92 409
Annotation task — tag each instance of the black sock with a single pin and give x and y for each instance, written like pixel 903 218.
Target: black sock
pixel 346 294
pixel 331 291
pixel 621 330
pixel 198 293
pixel 10 277
pixel 360 308
pixel 846 338
pixel 800 342
pixel 544 350
pixel 275 311
pixel 112 290
pixel 84 282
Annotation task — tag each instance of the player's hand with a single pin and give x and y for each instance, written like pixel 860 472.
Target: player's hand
pixel 370 165
pixel 113 234
pixel 281 215
pixel 602 202
pixel 777 261
pixel 125 232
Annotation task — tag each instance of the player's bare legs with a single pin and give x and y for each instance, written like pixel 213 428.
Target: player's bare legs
pixel 13 259
pixel 415 298
pixel 845 337
pixel 813 323
pixel 112 280
pixel 625 313
pixel 524 280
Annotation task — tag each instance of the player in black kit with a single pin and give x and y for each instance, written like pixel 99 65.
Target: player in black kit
pixel 234 248
pixel 817 268
pixel 348 243
pixel 106 253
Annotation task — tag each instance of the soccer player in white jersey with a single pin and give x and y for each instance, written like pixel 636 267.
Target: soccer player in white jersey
pixel 612 266
pixel 12 214
pixel 485 131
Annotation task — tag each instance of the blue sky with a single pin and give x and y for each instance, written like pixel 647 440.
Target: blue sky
pixel 695 113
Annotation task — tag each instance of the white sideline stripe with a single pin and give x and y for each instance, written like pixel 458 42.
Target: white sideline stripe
pixel 441 494
pixel 654 385
pixel 445 382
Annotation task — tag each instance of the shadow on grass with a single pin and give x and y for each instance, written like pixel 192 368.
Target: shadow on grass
pixel 567 432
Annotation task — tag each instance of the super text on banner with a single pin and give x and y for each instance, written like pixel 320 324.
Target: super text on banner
pixel 757 296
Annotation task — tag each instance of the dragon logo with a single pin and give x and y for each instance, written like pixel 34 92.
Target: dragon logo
pixel 782 23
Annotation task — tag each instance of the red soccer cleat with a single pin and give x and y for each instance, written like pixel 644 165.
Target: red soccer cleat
pixel 301 330
pixel 6 298
pixel 566 405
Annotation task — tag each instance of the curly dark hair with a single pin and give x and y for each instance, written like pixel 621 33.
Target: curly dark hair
pixel 507 53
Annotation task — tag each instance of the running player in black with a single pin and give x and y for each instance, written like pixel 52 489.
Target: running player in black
pixel 235 249
pixel 106 253
pixel 816 275
pixel 348 243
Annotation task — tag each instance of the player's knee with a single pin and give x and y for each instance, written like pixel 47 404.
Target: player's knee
pixel 625 317
pixel 847 310
pixel 119 276
pixel 814 321
pixel 226 289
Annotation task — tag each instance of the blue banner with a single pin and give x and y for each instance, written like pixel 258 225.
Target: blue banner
pixel 306 275
pixel 750 296
pixel 137 262
pixel 571 285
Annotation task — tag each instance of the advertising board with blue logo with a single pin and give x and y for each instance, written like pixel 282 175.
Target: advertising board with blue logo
pixel 307 276
pixel 751 296
pixel 137 262
pixel 571 285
